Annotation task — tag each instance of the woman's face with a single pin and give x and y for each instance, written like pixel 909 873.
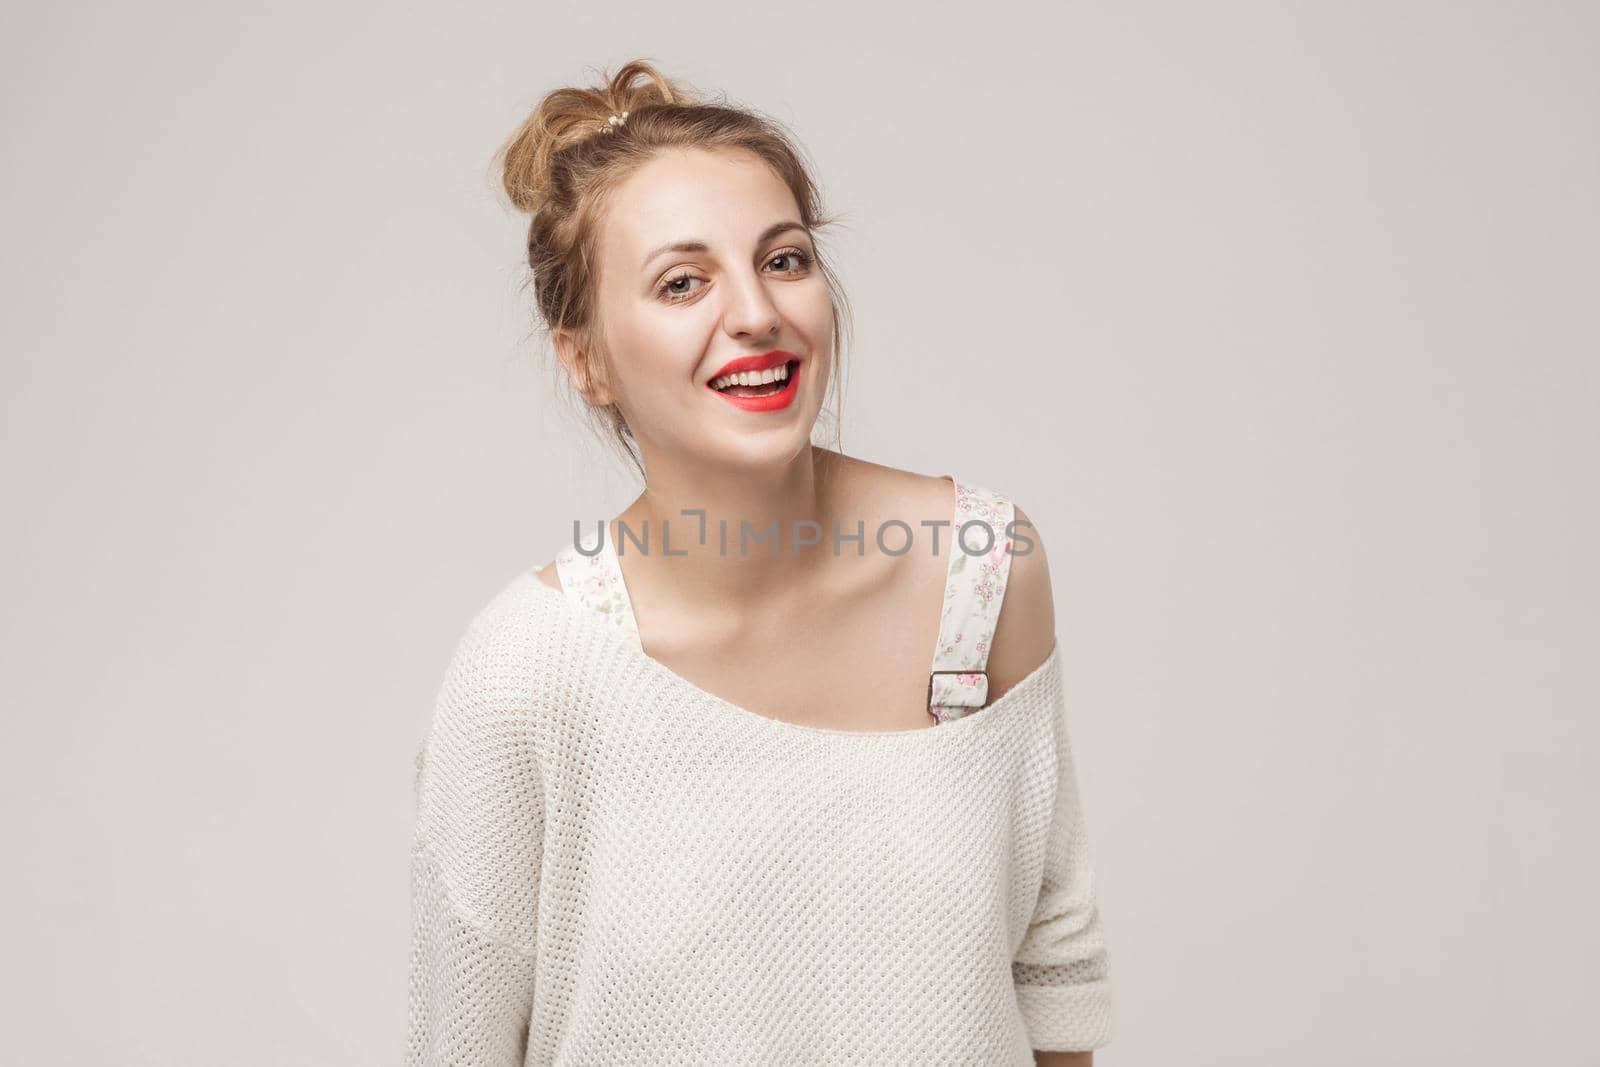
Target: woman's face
pixel 702 260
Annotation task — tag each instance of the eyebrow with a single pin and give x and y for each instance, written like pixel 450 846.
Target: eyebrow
pixel 700 246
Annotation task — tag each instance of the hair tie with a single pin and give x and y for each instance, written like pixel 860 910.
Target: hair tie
pixel 613 122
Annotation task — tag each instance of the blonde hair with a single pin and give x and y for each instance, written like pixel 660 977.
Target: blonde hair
pixel 558 168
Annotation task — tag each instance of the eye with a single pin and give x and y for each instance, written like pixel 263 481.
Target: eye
pixel 671 291
pixel 800 259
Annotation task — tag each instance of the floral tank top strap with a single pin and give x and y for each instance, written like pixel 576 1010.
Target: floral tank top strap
pixel 593 581
pixel 975 586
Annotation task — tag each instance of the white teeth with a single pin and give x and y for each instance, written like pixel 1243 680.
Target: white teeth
pixel 753 377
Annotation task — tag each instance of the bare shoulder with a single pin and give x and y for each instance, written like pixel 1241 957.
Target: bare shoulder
pixel 547 574
pixel 1025 633
pixel 1026 630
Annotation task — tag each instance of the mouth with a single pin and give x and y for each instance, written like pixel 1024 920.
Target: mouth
pixel 770 389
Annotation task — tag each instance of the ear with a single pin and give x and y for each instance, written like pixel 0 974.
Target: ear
pixel 581 368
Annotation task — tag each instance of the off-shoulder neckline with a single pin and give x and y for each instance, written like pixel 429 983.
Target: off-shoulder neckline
pixel 722 706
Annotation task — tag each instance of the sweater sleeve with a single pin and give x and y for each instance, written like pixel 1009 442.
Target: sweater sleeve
pixel 475 862
pixel 1061 969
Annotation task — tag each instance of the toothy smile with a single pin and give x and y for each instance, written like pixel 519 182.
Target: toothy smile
pixel 755 382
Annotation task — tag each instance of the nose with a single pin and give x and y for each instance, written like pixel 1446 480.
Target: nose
pixel 750 313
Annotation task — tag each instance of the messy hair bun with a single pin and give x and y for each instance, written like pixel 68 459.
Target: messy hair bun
pixel 558 167
pixel 569 116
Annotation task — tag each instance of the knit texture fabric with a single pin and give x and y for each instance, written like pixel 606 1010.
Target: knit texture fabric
pixel 614 866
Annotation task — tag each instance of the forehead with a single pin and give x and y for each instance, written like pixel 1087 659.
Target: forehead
pixel 723 198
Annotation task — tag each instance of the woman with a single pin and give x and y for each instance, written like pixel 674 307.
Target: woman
pixel 692 797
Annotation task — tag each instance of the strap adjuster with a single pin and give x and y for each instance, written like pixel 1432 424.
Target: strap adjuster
pixel 969 688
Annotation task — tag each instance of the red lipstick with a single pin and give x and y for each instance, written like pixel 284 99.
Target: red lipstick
pixel 773 402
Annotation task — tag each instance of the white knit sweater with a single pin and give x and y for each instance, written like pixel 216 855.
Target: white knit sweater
pixel 613 866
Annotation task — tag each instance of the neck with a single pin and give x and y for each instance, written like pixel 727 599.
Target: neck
pixel 725 557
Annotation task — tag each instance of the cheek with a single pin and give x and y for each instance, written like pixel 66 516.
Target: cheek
pixel 653 352
pixel 810 309
pixel 819 320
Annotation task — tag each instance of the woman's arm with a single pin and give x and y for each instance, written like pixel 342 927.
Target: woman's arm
pixel 475 861
pixel 470 990
pixel 1061 969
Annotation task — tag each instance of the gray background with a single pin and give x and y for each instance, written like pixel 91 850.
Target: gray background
pixel 1278 319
